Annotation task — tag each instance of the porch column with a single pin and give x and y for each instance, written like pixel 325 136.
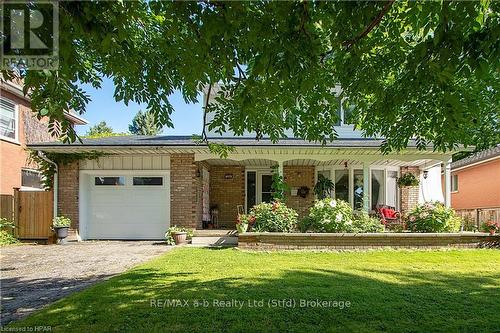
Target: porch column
pixel 366 187
pixel 280 168
pixel 447 183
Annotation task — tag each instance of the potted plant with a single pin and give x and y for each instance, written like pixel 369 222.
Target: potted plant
pixel 243 221
pixel 177 235
pixel 491 227
pixel 324 187
pixel 61 224
pixel 408 179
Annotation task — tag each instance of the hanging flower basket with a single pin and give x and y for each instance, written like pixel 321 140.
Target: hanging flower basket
pixel 408 179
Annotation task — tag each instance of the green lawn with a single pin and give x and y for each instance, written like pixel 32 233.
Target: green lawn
pixel 395 291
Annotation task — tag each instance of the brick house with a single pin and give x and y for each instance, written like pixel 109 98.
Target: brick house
pixel 18 128
pixel 144 184
pixel 475 189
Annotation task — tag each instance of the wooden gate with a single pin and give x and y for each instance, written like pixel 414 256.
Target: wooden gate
pixel 7 206
pixel 33 214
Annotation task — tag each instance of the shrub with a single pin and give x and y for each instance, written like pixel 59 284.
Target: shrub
pixel 468 224
pixel 365 223
pixel 169 237
pixel 305 224
pixel 273 217
pixel 433 217
pixel 6 236
pixel 330 215
pixel 61 222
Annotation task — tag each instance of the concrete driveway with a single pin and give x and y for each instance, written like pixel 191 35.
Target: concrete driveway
pixel 33 276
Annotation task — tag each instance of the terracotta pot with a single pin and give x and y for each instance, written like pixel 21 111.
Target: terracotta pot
pixel 492 232
pixel 180 237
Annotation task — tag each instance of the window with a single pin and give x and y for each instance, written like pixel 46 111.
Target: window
pixel 326 174
pixel 267 189
pixel 348 114
pixel 31 178
pixel 109 181
pixel 8 119
pixel 378 188
pixel 454 183
pixel 251 189
pixel 358 189
pixel 150 181
pixel 344 115
pixel 392 189
pixel 342 185
pixel 339 115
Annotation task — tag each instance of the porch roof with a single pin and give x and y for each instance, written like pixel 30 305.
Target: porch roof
pixel 249 151
pixel 143 141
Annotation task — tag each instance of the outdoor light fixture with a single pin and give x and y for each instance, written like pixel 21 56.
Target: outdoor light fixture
pixel 426 173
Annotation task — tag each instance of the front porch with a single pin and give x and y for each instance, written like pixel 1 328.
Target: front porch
pixel 244 179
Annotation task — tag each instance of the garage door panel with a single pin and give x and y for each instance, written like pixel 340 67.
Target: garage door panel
pixel 128 212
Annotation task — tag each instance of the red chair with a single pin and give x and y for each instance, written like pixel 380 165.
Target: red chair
pixel 390 217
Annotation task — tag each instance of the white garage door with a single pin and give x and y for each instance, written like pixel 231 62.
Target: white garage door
pixel 127 206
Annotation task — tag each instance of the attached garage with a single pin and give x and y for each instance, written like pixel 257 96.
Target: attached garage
pixel 124 204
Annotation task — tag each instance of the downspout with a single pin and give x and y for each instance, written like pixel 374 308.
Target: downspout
pixel 56 178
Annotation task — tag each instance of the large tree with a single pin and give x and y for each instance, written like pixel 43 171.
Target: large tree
pixel 99 130
pixel 144 123
pixel 422 69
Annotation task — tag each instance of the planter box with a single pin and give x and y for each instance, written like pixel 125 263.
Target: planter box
pixel 342 241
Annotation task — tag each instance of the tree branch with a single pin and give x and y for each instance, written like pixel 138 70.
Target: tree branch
pixel 376 21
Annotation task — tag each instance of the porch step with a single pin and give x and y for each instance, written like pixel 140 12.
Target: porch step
pixel 212 237
pixel 214 233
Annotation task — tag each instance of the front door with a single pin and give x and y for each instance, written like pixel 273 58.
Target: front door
pixel 258 187
pixel 266 193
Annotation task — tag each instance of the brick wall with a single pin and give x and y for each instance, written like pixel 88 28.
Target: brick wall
pixel 227 194
pixel 183 191
pixel 67 197
pixel 341 241
pixel 409 194
pixel 297 176
pixel 13 155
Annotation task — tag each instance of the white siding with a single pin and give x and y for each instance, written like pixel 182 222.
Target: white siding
pixel 128 162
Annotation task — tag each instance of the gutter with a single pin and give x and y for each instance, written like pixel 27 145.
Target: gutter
pixel 56 179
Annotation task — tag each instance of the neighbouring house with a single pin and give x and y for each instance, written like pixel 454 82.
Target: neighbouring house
pixel 144 184
pixel 475 186
pixel 18 128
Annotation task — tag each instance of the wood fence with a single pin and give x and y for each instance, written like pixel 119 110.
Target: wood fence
pixel 480 215
pixel 31 212
pixel 7 206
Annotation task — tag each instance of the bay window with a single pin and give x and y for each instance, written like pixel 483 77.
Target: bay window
pixel 349 185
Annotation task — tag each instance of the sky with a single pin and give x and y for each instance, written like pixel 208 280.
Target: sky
pixel 187 118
